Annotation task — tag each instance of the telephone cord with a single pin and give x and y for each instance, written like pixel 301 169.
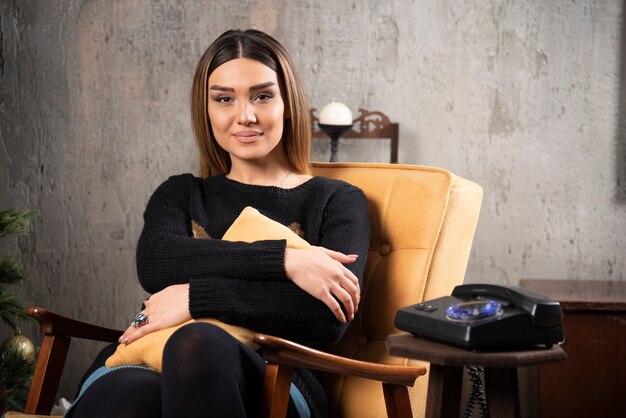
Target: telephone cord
pixel 477 394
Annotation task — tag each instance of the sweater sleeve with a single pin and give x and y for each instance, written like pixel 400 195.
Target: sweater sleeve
pixel 167 254
pixel 280 307
pixel 345 227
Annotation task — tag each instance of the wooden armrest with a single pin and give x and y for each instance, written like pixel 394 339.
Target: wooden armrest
pixel 58 331
pixel 54 324
pixel 282 351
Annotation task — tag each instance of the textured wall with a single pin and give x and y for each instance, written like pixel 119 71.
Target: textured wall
pixel 523 97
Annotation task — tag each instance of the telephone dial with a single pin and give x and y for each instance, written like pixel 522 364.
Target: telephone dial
pixel 486 317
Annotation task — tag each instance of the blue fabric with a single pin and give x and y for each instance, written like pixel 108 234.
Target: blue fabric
pixel 296 396
pixel 97 374
pixel 300 403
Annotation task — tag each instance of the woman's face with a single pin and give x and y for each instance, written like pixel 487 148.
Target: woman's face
pixel 246 110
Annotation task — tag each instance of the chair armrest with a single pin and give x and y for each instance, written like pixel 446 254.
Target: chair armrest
pixel 278 350
pixel 58 331
pixel 54 324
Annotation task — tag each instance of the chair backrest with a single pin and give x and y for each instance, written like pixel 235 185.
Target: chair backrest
pixel 423 221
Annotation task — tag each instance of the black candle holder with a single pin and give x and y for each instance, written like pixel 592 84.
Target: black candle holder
pixel 334 132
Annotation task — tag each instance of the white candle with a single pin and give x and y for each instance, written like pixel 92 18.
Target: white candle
pixel 335 113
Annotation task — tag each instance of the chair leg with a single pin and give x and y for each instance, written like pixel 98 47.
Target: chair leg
pixel 47 375
pixel 276 391
pixel 397 401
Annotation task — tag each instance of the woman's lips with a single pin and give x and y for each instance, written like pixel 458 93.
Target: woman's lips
pixel 247 137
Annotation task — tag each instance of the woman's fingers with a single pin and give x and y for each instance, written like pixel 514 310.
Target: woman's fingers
pixel 133 334
pixel 354 292
pixel 341 257
pixel 346 300
pixel 344 259
pixel 350 276
pixel 332 303
pixel 344 288
pixel 164 309
pixel 337 295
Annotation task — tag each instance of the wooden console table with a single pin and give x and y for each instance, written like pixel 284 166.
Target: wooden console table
pixel 446 373
pixel 592 382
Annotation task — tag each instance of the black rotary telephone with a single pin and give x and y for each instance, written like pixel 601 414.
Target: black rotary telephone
pixel 486 317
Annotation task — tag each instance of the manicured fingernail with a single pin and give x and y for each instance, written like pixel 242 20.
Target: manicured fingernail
pixel 354 255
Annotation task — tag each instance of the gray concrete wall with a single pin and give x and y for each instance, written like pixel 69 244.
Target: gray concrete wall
pixel 524 97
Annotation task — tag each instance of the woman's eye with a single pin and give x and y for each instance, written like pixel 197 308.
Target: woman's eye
pixel 222 99
pixel 263 97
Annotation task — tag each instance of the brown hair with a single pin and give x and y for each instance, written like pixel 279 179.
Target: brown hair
pixel 261 47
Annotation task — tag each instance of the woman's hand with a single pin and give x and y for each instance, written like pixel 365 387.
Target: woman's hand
pixel 167 308
pixel 321 273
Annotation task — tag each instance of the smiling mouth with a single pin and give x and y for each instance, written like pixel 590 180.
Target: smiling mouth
pixel 247 136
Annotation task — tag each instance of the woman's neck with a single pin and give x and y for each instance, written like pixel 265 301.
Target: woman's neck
pixel 263 175
pixel 278 175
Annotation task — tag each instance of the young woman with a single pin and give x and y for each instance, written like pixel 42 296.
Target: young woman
pixel 252 126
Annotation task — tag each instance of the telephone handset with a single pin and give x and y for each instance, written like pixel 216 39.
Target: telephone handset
pixel 542 311
pixel 484 316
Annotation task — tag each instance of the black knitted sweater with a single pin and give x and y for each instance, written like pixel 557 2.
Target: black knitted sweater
pixel 245 283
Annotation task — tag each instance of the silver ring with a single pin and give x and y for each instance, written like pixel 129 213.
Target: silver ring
pixel 140 320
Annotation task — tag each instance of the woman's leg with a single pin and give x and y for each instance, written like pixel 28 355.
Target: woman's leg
pixel 124 393
pixel 207 372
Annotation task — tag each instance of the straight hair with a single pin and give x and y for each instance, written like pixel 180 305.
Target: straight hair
pixel 259 46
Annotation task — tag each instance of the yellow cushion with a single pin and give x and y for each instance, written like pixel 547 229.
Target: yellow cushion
pixel 252 226
pixel 249 226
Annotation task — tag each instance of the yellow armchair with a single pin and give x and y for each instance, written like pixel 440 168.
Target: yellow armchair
pixel 423 221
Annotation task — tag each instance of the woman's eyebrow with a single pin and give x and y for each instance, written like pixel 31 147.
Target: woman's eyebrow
pixel 221 88
pixel 252 88
pixel 262 85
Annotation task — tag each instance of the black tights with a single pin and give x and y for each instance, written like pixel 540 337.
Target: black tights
pixel 206 373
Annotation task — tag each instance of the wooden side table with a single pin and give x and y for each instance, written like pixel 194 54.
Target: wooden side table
pixel 446 373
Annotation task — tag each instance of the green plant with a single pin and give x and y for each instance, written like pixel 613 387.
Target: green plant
pixel 17 352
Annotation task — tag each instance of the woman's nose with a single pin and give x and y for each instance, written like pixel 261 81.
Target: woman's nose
pixel 246 114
